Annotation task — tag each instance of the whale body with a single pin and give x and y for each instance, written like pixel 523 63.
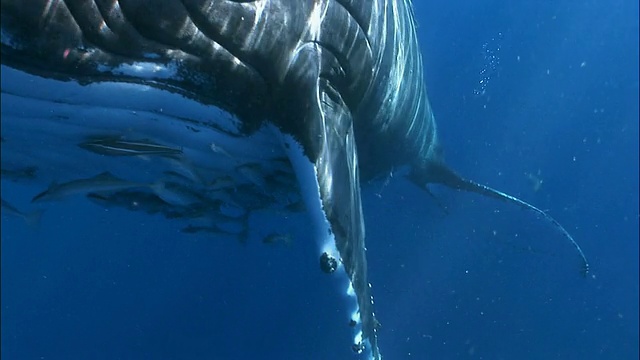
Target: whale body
pixel 278 102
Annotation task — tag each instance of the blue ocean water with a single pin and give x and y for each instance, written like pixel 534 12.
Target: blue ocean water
pixel 538 100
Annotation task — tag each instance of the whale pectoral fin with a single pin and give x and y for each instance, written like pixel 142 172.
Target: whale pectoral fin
pixel 339 186
pixel 327 170
pixel 329 179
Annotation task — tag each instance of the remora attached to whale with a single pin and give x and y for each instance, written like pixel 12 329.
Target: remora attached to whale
pixel 342 79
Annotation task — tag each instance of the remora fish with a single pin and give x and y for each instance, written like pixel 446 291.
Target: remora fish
pixel 120 147
pixel 101 182
pixel 340 82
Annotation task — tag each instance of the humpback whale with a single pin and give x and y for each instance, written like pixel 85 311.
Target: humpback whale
pixel 220 104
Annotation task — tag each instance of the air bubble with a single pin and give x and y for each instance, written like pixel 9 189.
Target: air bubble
pixel 490 64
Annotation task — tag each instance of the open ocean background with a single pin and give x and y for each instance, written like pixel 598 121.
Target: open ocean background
pixel 523 92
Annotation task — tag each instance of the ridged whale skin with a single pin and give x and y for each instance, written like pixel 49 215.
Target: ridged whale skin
pixel 335 87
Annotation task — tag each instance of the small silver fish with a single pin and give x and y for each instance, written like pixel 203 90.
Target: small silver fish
pixel 176 194
pixel 132 200
pixel 25 173
pixel 220 150
pixel 253 173
pixel 120 147
pixel 296 206
pixel 186 169
pixel 101 182
pixel 278 238
pixel 172 175
pixel 214 217
pixel 31 218
pixel 191 229
pixel 222 182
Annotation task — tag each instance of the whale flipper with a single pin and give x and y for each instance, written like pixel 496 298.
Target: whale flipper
pixel 328 141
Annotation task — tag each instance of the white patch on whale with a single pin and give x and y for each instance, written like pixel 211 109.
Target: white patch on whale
pixel 306 172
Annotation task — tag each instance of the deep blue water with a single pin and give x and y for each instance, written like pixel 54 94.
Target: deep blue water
pixel 558 100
